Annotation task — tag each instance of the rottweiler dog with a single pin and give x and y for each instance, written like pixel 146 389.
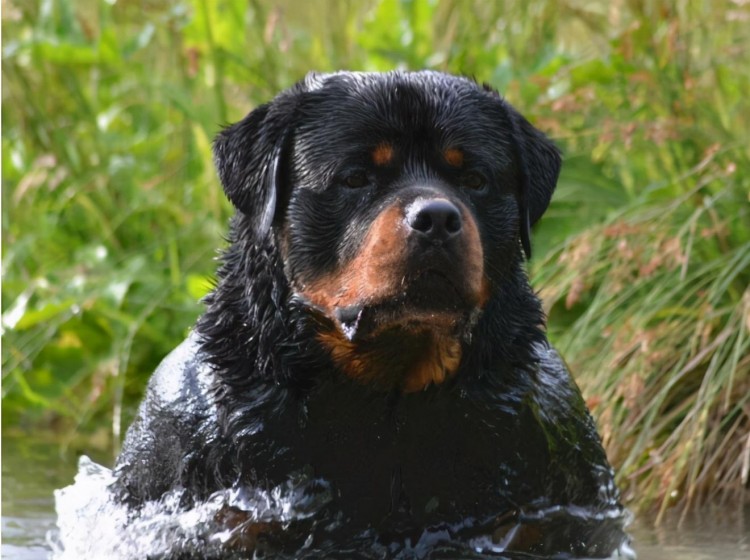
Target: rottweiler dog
pixel 372 359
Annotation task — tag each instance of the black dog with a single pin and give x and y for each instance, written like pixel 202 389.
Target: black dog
pixel 372 355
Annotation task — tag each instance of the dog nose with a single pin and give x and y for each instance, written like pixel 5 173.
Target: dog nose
pixel 437 219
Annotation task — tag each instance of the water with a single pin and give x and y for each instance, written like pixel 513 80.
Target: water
pixel 32 470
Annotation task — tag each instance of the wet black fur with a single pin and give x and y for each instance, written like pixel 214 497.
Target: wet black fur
pixel 507 436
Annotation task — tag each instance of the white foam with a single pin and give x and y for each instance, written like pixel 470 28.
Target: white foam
pixel 91 524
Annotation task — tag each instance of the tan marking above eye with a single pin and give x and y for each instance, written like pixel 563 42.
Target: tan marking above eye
pixel 454 157
pixel 382 154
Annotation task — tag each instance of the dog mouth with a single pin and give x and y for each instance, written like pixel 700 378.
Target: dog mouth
pixel 429 301
pixel 435 289
pixel 404 277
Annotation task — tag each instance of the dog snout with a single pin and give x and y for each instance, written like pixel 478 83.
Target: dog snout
pixel 434 219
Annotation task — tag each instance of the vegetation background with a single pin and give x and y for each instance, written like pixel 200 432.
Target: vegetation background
pixel 112 214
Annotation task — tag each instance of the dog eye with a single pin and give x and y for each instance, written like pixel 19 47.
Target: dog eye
pixel 356 180
pixel 473 180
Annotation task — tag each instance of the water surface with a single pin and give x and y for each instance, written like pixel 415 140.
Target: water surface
pixel 33 469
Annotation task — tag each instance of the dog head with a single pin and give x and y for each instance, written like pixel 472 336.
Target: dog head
pixel 398 202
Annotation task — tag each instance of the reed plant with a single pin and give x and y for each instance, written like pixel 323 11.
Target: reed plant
pixel 112 213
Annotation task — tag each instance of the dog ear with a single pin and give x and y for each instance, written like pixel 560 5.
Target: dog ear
pixel 248 156
pixel 539 161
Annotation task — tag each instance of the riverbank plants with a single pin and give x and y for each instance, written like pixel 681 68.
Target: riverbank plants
pixel 112 213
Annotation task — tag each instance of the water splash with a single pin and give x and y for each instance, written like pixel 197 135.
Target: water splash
pixel 92 524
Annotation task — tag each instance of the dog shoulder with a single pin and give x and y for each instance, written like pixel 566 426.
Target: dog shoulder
pixel 171 421
pixel 564 416
pixel 182 379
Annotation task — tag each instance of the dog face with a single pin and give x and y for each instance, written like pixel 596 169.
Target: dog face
pixel 398 202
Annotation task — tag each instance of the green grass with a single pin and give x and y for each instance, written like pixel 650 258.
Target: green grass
pixel 112 212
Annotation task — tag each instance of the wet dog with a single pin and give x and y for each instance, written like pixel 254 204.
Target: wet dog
pixel 371 376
